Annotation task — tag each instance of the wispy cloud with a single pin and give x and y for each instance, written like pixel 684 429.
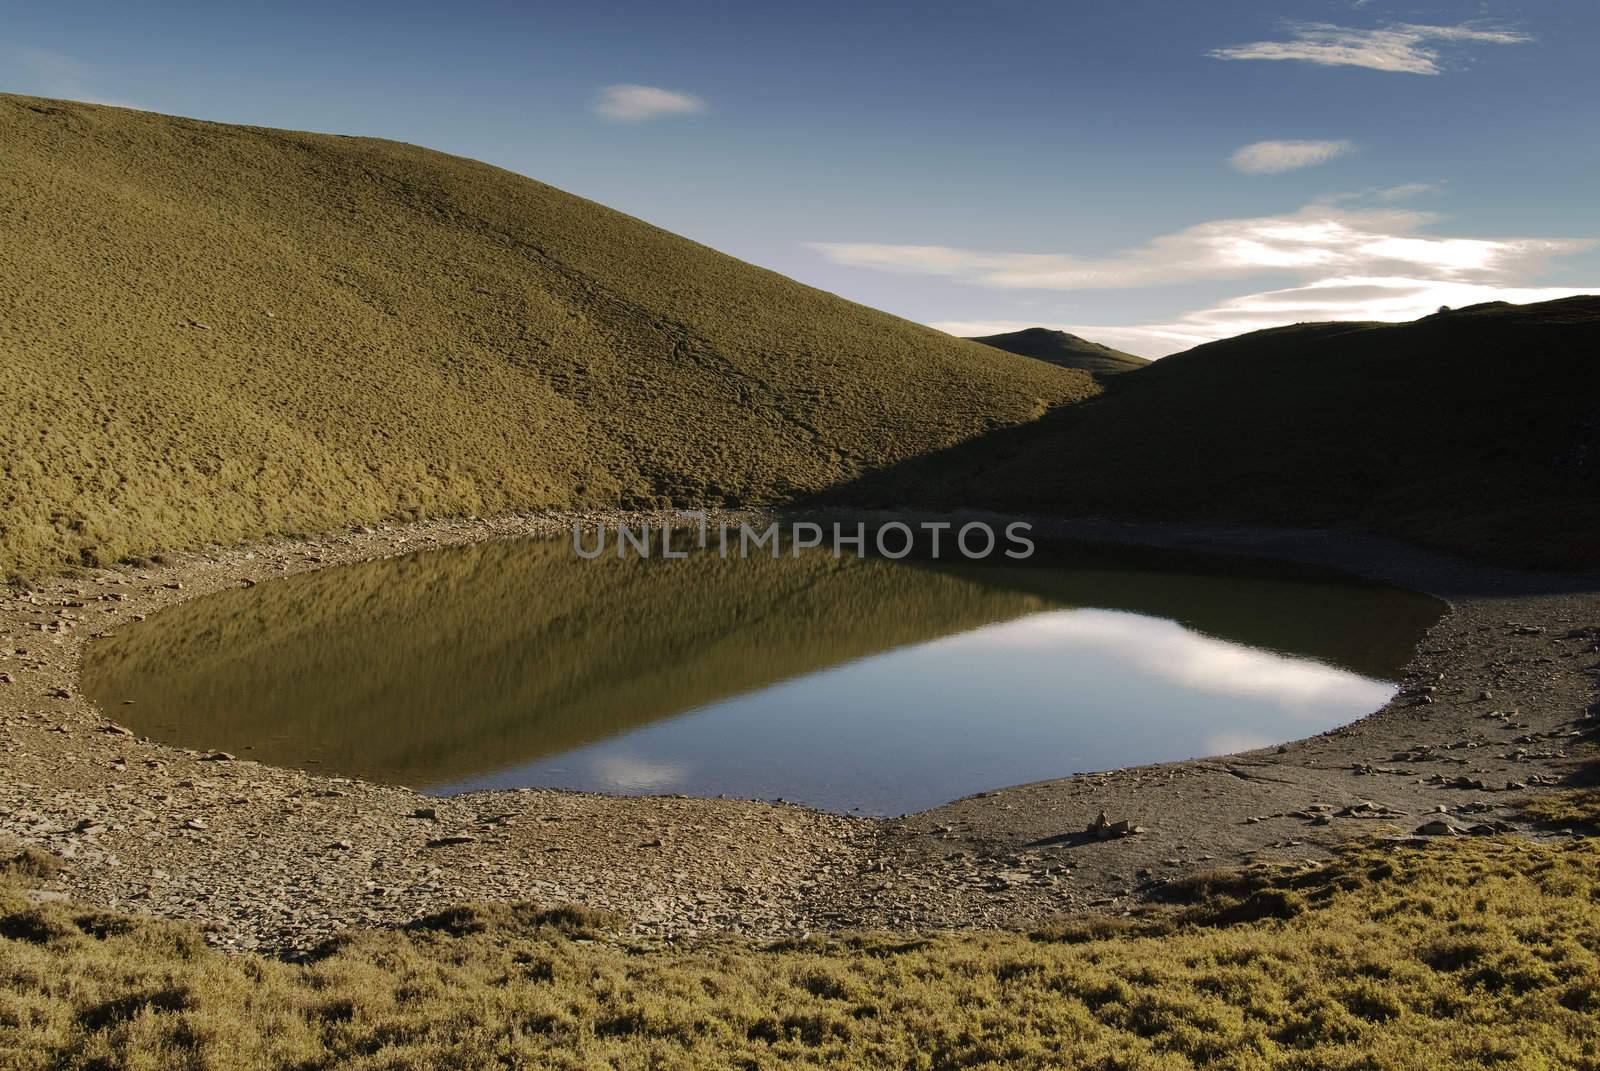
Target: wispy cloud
pixel 56 74
pixel 1322 239
pixel 1352 257
pixel 636 104
pixel 1389 299
pixel 1405 48
pixel 1273 157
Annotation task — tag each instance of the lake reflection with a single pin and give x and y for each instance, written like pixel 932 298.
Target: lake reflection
pixel 843 683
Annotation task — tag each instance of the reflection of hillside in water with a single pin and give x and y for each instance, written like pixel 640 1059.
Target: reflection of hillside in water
pixel 432 666
pixel 436 666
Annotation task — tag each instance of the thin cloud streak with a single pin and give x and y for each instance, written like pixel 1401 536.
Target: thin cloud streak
pixel 1391 299
pixel 1321 239
pixel 56 74
pixel 1405 48
pixel 1274 157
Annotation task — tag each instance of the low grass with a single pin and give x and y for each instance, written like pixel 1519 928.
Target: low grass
pixel 1476 955
pixel 1577 809
pixel 213 333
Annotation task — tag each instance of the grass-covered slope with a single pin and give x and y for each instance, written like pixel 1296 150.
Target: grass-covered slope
pixel 211 332
pixel 1481 955
pixel 1476 430
pixel 1061 348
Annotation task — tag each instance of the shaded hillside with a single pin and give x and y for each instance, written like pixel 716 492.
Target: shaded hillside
pixel 1477 430
pixel 212 332
pixel 1067 351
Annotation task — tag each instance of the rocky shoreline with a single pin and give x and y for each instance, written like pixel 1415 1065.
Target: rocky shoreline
pixel 1498 704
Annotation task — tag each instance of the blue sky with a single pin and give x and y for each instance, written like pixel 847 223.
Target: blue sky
pixel 1151 174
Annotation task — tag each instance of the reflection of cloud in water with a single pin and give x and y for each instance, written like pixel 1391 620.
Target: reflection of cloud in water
pixel 1167 649
pixel 1228 743
pixel 630 773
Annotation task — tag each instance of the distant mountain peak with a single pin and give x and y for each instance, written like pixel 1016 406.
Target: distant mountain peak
pixel 1064 349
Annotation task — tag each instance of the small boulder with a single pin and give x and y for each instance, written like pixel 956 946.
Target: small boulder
pixel 1106 829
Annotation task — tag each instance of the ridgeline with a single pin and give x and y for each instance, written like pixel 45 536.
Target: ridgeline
pixel 216 333
pixel 1476 431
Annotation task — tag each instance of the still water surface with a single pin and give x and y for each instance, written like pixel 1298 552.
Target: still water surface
pixel 845 683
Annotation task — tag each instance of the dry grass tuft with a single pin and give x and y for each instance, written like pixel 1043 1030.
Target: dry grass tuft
pixel 1474 955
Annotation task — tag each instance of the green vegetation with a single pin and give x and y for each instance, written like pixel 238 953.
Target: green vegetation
pixel 1475 430
pixel 1480 955
pixel 213 332
pixel 1068 351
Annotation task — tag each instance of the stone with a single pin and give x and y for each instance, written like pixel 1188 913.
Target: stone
pixel 217 756
pixel 1438 827
pixel 1106 829
pixel 445 842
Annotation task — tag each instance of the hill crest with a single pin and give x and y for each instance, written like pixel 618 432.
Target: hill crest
pixel 1064 349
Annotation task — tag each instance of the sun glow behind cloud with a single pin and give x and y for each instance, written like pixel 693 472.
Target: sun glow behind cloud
pixel 1377 262
pixel 1323 237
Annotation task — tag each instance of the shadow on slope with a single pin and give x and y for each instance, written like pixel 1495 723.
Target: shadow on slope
pixel 1475 431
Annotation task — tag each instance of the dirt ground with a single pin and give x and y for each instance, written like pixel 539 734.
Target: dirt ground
pixel 1498 704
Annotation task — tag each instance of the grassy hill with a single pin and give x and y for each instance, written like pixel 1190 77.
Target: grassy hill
pixel 1067 351
pixel 213 332
pixel 1476 430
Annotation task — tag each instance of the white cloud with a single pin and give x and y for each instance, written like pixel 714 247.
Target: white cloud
pixel 1390 299
pixel 1349 263
pixel 1322 239
pixel 1272 157
pixel 636 104
pixel 1403 48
